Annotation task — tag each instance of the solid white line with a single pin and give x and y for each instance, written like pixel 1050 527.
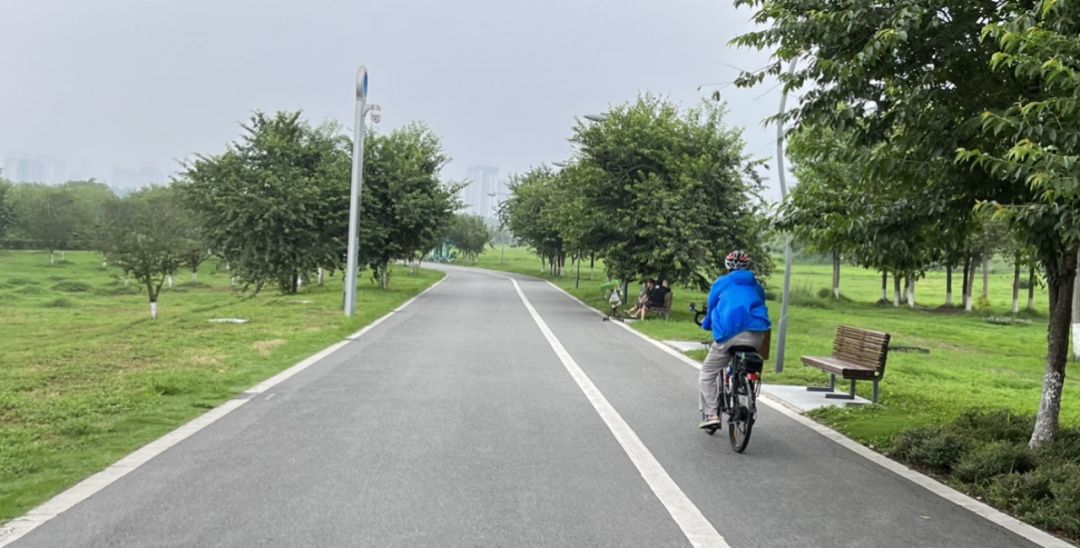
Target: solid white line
pixel 1033 534
pixel 697 529
pixel 19 527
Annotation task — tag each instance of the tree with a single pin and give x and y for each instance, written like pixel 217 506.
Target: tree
pixel 276 202
pixel 1038 48
pixel 46 216
pixel 470 234
pixel 531 212
pixel 911 84
pixel 7 211
pixel 667 193
pixel 405 207
pixel 145 235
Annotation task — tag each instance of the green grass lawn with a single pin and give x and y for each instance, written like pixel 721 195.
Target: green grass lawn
pixel 86 377
pixel 971 365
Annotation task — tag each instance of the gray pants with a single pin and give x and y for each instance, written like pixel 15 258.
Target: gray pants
pixel 717 360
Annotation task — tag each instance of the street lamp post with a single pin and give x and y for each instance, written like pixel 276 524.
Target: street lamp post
pixel 362 109
pixel 601 118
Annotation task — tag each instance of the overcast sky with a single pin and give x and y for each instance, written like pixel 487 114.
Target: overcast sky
pixel 142 83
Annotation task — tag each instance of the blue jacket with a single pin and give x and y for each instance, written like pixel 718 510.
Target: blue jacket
pixel 736 304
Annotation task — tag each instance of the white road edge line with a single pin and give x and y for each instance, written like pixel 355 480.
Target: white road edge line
pixel 697 529
pixel 1007 522
pixel 20 527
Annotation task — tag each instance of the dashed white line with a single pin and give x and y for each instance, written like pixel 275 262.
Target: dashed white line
pixel 689 518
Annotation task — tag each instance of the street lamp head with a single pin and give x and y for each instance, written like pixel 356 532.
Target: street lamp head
pixel 361 84
pixel 376 113
pixel 559 164
pixel 596 117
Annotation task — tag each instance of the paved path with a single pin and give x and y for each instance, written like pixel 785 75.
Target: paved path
pixel 456 423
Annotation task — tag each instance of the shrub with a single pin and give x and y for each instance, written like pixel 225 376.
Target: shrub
pixel 991 426
pixel 62 302
pixel 983 306
pixel 73 287
pixel 825 293
pixel 930 446
pixel 994 460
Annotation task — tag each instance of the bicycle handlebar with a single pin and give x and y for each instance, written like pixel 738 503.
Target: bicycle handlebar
pixel 697 314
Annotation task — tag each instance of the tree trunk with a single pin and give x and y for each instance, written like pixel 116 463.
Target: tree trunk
pixel 52 258
pixel 969 298
pixel 385 274
pixel 321 274
pixel 1031 288
pixel 948 286
pixel 964 288
pixel 104 264
pixel 836 275
pixel 896 290
pixel 542 264
pixel 1060 284
pixel 299 283
pixel 1075 320
pixel 592 266
pixel 234 281
pixel 194 276
pixel 127 279
pixel 884 286
pixel 170 281
pixel 562 265
pixel 1016 285
pixel 153 310
pixel 986 278
pixel 907 287
pixel 63 256
pixel 911 293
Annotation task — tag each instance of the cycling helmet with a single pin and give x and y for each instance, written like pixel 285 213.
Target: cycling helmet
pixel 737 260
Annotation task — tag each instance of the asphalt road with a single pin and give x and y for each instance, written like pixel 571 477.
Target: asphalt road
pixel 456 423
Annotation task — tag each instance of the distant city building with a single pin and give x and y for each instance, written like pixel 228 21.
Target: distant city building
pixel 30 171
pixel 477 196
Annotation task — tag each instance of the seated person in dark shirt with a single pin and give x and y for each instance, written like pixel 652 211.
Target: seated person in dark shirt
pixel 655 299
pixel 650 284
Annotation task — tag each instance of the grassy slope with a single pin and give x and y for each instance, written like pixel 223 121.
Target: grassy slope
pixel 971 364
pixel 86 377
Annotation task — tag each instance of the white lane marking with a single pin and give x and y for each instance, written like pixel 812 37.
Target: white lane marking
pixel 270 396
pixel 697 529
pixel 20 527
pixel 1007 522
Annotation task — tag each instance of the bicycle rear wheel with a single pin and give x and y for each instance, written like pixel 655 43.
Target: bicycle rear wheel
pixel 741 424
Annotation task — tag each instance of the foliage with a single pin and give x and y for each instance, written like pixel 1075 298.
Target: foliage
pixel 662 192
pixel 145 235
pixel 1040 486
pixel 405 208
pixel 470 234
pixel 907 84
pixel 7 213
pixel 532 211
pixel 46 215
pixel 276 202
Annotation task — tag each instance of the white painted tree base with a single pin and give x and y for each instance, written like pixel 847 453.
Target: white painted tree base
pixel 153 311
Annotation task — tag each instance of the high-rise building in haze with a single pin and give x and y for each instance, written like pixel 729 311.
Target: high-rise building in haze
pixel 483 182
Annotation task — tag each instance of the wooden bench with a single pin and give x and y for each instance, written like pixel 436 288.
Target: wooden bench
pixel 858 355
pixel 666 311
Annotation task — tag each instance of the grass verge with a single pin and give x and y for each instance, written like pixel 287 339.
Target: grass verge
pixel 86 377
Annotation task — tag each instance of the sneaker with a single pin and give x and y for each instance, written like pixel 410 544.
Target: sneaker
pixel 712 423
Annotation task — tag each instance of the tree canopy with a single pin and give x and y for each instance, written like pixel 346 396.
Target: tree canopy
pixel 276 202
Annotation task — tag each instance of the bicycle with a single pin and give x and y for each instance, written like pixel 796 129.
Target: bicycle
pixel 740 386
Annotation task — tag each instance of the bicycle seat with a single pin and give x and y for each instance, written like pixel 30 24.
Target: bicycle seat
pixel 742 348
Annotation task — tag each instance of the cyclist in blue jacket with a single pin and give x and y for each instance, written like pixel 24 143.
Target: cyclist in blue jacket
pixel 737 316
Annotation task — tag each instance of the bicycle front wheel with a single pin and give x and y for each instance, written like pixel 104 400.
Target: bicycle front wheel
pixel 741 424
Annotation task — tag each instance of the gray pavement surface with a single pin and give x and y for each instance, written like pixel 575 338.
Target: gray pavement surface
pixel 453 423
